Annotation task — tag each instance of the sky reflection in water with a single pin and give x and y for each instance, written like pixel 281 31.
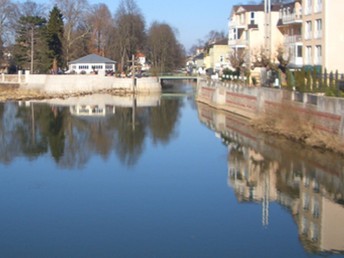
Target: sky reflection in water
pixel 160 184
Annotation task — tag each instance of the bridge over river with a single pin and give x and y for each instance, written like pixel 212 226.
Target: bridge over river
pixel 177 77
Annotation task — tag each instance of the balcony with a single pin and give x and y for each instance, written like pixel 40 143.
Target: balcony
pixel 237 25
pixel 293 39
pixel 296 62
pixel 252 26
pixel 237 43
pixel 291 18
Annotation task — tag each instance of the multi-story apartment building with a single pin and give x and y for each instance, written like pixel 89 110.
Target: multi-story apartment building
pixel 323 37
pixel 307 30
pixel 290 25
pixel 248 30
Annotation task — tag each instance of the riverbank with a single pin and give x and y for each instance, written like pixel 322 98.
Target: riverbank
pixel 279 112
pixel 19 94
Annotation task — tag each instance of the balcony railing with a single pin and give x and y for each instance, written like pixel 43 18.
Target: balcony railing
pixel 238 25
pixel 237 42
pixel 292 18
pixel 293 39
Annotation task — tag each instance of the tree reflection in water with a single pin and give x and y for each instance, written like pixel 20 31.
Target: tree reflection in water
pixel 36 129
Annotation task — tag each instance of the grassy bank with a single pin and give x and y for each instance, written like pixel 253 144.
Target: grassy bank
pixel 298 127
pixel 18 94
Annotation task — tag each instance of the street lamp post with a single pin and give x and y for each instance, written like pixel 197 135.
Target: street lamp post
pixel 267 27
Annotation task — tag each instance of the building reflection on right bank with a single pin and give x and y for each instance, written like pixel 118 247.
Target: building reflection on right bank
pixel 265 169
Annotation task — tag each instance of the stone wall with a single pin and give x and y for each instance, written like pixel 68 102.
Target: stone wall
pixel 326 113
pixel 87 83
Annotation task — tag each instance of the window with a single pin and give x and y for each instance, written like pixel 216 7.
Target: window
pixel 309 55
pixel 309 7
pixel 83 67
pixel 318 32
pixel 242 18
pixel 318 6
pixel 318 56
pixel 252 18
pixel 97 67
pixel 308 32
pixel 298 51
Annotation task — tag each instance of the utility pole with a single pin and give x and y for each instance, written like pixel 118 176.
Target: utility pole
pixel 133 71
pixel 32 46
pixel 134 97
pixel 267 27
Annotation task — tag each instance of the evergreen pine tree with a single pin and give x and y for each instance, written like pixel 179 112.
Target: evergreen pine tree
pixel 29 44
pixel 54 39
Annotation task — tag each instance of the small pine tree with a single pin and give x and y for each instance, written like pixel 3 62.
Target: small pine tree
pixel 314 80
pixel 325 79
pixel 331 80
pixel 290 83
pixel 309 81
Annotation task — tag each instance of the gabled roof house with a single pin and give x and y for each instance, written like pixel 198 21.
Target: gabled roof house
pixel 92 64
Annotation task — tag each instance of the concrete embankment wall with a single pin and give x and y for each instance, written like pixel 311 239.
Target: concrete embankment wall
pixel 87 83
pixel 326 113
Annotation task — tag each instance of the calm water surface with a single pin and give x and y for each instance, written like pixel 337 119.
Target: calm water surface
pixel 93 177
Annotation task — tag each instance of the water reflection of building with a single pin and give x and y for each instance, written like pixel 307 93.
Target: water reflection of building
pixel 100 105
pixel 92 110
pixel 253 178
pixel 320 219
pixel 263 169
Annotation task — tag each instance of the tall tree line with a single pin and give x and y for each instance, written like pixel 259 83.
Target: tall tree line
pixel 41 39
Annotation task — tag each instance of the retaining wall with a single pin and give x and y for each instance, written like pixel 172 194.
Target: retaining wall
pixel 83 83
pixel 76 83
pixel 326 113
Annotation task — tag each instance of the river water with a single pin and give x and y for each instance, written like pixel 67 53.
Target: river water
pixel 95 177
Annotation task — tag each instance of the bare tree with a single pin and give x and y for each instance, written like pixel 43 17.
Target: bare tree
pixel 30 8
pixel 283 57
pixel 101 23
pixel 238 60
pixel 164 50
pixel 8 18
pixel 130 31
pixel 215 36
pixel 261 59
pixel 76 26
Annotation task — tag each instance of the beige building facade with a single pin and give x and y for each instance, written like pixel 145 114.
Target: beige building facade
pixel 216 56
pixel 248 31
pixel 323 35
pixel 309 32
pixel 290 24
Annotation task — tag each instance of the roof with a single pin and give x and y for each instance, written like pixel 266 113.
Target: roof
pixel 255 8
pixel 291 5
pixel 199 56
pixel 222 42
pixel 93 59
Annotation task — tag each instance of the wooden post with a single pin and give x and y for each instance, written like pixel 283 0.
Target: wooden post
pixel 133 71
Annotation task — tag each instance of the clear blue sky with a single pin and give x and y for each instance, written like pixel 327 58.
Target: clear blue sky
pixel 193 19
